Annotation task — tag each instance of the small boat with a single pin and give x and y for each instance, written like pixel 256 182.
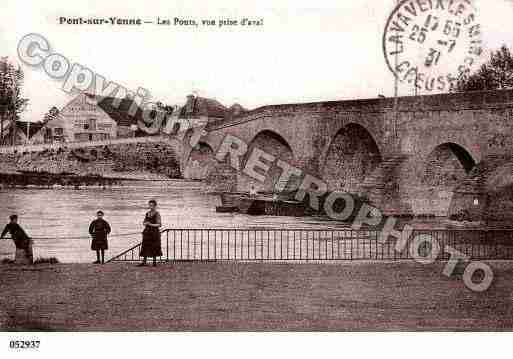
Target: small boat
pixel 233 202
pixel 261 205
pixel 226 209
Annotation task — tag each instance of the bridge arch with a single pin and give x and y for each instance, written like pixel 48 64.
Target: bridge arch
pixel 447 165
pixel 351 156
pixel 200 162
pixel 444 167
pixel 276 145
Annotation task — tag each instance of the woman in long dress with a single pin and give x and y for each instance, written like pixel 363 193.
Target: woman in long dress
pixel 151 244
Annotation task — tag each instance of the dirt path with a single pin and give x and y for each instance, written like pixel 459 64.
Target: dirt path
pixel 213 296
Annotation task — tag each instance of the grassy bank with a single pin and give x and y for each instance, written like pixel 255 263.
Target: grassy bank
pixel 214 296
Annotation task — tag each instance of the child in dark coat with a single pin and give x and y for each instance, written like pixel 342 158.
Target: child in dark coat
pixel 99 230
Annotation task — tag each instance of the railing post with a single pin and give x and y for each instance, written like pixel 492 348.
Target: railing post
pixel 235 244
pixel 351 237
pixel 300 244
pixel 262 246
pixel 307 239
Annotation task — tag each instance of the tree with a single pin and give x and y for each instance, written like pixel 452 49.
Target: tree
pixel 496 74
pixel 11 102
pixel 52 114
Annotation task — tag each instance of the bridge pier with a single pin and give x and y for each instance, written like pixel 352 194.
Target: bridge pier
pixel 382 187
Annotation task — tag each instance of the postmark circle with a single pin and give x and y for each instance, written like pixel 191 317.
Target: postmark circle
pixel 430 43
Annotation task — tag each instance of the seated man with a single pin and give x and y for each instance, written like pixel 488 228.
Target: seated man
pixel 21 240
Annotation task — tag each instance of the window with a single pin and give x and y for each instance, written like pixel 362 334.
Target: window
pixel 104 126
pixel 58 131
pixel 89 125
pixel 92 124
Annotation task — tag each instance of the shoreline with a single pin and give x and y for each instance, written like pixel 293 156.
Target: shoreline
pixel 45 180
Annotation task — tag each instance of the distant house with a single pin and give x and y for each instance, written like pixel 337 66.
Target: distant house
pixel 91 118
pixel 196 107
pixel 81 120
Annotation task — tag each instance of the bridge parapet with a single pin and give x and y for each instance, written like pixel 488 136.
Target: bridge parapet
pixel 448 102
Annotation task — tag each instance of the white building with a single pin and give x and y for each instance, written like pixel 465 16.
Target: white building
pixel 82 119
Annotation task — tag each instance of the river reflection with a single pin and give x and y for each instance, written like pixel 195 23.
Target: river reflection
pixel 58 219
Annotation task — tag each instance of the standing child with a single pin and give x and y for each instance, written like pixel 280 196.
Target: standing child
pixel 99 230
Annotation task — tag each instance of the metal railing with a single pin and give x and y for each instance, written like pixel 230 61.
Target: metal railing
pixel 284 245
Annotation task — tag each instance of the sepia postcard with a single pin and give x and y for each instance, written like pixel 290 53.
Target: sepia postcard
pixel 243 166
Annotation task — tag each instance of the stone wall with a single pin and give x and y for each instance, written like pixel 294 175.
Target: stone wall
pixel 156 158
pixel 152 157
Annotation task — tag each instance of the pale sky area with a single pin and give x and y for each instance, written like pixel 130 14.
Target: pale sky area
pixel 306 51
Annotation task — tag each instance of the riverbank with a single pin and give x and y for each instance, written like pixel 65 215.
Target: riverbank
pixel 151 159
pixel 250 296
pixel 38 179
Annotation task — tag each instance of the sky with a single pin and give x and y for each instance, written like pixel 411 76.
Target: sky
pixel 305 51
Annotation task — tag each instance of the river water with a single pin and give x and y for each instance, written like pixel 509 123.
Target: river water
pixel 58 219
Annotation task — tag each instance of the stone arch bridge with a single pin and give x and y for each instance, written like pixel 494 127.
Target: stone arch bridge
pixel 424 155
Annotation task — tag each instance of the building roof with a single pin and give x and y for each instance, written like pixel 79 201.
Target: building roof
pixel 120 114
pixel 195 107
pixel 202 106
pixel 236 110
